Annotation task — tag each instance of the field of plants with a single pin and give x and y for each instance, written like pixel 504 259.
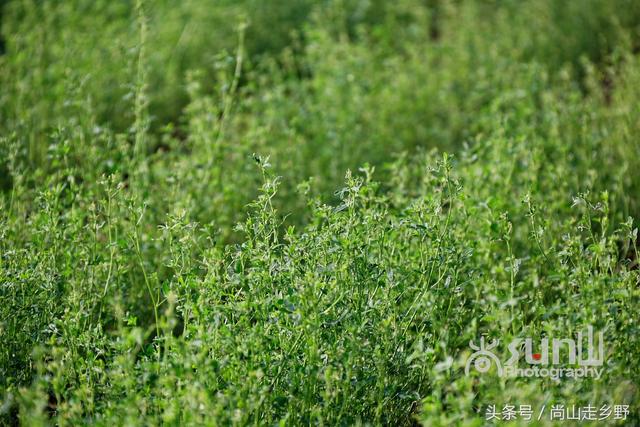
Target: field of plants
pixel 315 212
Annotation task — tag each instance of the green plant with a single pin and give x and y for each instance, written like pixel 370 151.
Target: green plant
pixel 173 250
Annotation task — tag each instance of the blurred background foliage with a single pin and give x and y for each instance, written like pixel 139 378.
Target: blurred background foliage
pixel 324 85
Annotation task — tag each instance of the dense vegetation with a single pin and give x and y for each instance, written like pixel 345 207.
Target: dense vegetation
pixel 301 212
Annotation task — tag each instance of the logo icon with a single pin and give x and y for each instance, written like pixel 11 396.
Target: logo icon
pixel 483 357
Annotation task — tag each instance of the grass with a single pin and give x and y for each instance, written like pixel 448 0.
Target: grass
pixel 302 212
